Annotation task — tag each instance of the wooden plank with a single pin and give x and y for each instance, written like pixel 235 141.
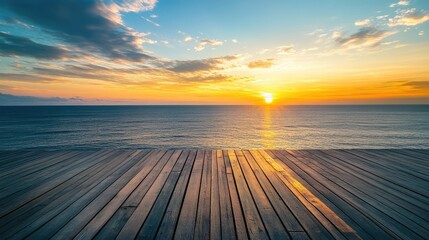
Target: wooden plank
pixel 311 225
pixel 102 217
pixel 254 224
pixel 53 202
pixel 150 226
pixel 202 225
pixel 57 207
pixel 288 219
pixel 20 163
pixel 299 236
pixel 358 202
pixel 226 215
pixel 133 225
pixel 103 204
pixel 401 164
pixel 368 228
pixel 42 174
pixel 377 173
pixel 171 216
pixel 329 219
pixel 115 224
pixel 22 197
pixel 397 201
pixel 394 175
pixel 215 224
pixel 240 224
pixel 270 218
pixel 363 190
pixel 89 203
pixel 379 194
pixel 186 224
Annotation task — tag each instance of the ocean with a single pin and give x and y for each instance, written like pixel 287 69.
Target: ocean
pixel 214 127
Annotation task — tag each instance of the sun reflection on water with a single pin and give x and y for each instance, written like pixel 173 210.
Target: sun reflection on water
pixel 267 133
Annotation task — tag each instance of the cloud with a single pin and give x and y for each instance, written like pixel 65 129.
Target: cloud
pixel 417 84
pixel 364 22
pixel 265 63
pixel 365 37
pixel 150 21
pixel 13 100
pixel 153 16
pixel 207 42
pixel 400 3
pixel 188 39
pixel 208 64
pixel 284 50
pixel 174 71
pixel 22 77
pixel 382 17
pixel 92 25
pixel 421 33
pixel 11 45
pixel 134 5
pixel 11 20
pixel 408 17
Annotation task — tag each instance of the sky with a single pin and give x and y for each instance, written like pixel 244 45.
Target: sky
pixel 214 52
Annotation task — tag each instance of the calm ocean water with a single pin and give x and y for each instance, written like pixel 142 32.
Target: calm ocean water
pixel 291 127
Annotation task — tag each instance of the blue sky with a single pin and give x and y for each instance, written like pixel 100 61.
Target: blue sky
pixel 145 51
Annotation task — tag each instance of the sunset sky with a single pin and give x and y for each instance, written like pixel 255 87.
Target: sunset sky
pixel 214 52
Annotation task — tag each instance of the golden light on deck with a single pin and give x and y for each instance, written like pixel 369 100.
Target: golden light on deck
pixel 268 97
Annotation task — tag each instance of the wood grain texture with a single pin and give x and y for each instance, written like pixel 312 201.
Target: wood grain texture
pixel 214 194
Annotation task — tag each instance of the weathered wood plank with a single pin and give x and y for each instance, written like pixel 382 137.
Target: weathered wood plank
pixel 240 224
pixel 53 202
pixel 202 225
pixel 216 194
pixel 254 223
pixel 133 225
pixel 381 217
pixel 186 224
pixel 102 217
pixel 167 228
pixel 226 215
pixel 90 203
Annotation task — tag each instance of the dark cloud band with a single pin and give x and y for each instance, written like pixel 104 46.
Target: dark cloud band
pixel 87 25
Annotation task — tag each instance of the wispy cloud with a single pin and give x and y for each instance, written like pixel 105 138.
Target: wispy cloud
pixel 382 17
pixel 408 17
pixel 285 50
pixel 417 84
pixel 11 20
pixel 23 77
pixel 209 64
pixel 365 37
pixel 364 22
pixel 264 63
pixel 11 45
pixel 150 21
pixel 207 42
pixel 400 3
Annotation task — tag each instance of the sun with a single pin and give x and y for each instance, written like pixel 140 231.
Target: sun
pixel 268 97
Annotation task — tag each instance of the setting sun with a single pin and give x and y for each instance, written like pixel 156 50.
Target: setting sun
pixel 268 97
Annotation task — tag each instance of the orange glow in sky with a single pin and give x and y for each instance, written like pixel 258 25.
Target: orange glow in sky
pixel 377 55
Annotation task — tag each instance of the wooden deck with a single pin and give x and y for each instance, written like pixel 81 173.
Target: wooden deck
pixel 214 194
